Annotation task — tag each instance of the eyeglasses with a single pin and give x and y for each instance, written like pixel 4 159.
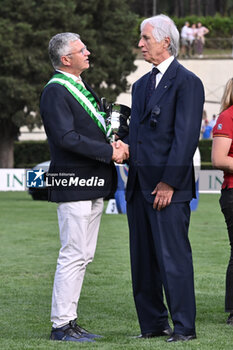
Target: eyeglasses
pixel 82 51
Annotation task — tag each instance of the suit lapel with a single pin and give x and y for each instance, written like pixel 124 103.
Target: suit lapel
pixel 163 86
pixel 139 97
pixel 142 97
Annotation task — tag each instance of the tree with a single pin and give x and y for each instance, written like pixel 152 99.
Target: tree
pixel 192 4
pixel 25 29
pixel 182 8
pixel 109 34
pixel 199 7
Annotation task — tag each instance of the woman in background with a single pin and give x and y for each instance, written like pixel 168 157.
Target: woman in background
pixel 200 33
pixel 222 158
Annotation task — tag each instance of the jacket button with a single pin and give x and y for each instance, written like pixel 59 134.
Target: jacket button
pixel 140 142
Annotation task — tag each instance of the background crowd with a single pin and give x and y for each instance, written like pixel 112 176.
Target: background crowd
pixel 207 126
pixel 193 39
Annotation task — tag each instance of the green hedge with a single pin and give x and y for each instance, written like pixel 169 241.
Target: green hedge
pixel 29 153
pixel 205 150
pixel 220 28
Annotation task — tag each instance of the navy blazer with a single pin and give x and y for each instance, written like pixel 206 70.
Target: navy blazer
pixel 163 135
pixel 78 147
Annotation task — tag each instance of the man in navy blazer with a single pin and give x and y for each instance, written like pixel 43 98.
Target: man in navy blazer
pixel 163 136
pixel 81 174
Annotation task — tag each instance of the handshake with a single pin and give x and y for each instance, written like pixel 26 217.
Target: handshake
pixel 120 151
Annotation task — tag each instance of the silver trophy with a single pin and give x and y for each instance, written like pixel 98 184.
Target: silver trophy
pixel 118 116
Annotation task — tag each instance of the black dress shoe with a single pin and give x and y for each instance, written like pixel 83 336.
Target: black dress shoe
pixel 179 337
pixel 165 332
pixel 230 320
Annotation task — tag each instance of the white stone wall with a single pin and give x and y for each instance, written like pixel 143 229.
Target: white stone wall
pixel 36 134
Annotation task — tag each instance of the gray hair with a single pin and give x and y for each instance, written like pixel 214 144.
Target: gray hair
pixel 164 27
pixel 59 46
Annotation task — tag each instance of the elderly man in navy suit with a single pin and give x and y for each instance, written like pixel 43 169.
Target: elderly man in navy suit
pixel 163 135
pixel 81 174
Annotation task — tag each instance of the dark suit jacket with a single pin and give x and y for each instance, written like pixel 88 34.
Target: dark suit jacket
pixel 77 146
pixel 164 134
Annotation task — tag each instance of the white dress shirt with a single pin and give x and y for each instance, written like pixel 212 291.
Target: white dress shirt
pixel 162 67
pixel 72 76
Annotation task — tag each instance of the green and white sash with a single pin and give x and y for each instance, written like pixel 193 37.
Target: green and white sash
pixel 85 98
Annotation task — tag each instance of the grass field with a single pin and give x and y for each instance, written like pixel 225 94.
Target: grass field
pixel 28 251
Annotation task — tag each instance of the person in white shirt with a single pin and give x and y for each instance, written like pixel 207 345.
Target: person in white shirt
pixel 185 43
pixel 192 38
pixel 213 121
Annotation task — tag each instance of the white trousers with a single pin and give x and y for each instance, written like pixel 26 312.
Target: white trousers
pixel 78 225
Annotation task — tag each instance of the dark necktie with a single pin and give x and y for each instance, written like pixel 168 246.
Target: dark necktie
pixel 151 84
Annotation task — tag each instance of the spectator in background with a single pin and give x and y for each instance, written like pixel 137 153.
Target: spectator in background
pixel 204 118
pixel 222 158
pixel 207 130
pixel 201 32
pixel 185 43
pixel 213 121
pixel 192 38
